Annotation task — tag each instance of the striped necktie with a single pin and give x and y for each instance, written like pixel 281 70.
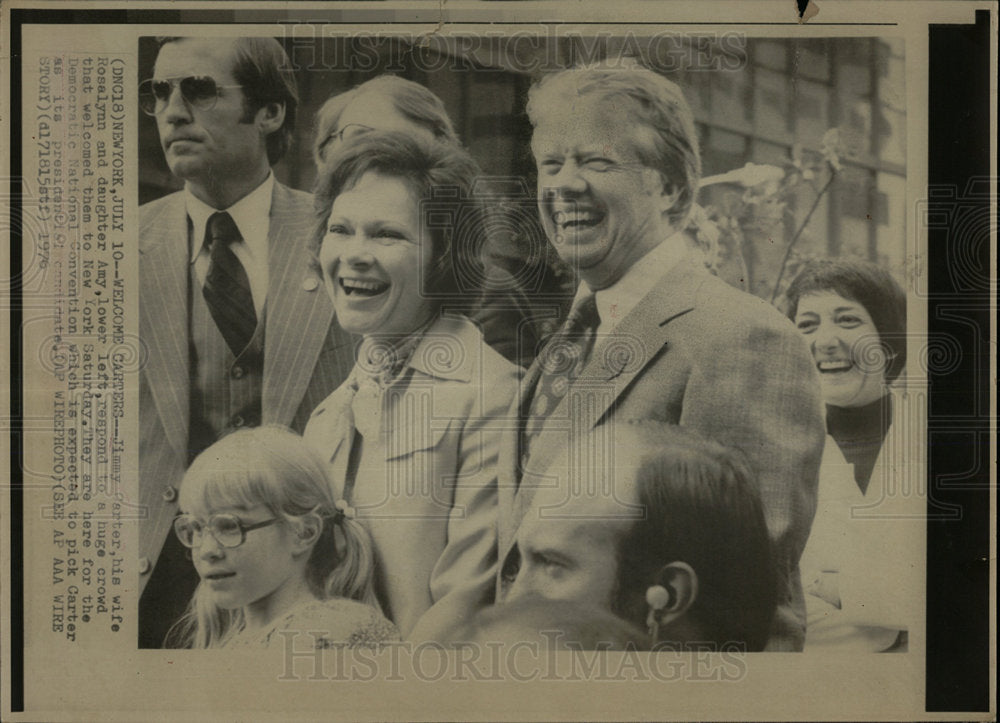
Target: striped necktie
pixel 561 362
pixel 227 286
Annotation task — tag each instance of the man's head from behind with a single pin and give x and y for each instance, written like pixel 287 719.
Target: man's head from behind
pixel 670 510
pixel 618 164
pixel 227 109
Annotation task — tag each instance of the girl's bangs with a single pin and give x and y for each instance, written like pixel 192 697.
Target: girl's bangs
pixel 222 488
pixel 262 466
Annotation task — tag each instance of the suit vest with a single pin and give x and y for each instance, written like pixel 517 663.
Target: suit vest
pixel 225 389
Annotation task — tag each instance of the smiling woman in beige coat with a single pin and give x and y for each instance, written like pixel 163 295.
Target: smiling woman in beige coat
pixel 412 435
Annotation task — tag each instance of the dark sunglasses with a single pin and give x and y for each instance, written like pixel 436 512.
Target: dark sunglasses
pixel 198 91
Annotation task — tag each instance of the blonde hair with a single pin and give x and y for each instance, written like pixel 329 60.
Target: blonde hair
pixel 273 466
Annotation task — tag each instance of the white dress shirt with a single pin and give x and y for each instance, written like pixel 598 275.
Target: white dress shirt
pixel 616 301
pixel 252 215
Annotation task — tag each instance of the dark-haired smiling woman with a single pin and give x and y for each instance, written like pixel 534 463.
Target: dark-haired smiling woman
pixel 861 565
pixel 391 103
pixel 412 436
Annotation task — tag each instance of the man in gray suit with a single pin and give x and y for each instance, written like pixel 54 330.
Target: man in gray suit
pixel 652 335
pixel 236 324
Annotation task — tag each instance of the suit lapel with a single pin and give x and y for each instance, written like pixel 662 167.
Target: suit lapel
pixel 614 363
pixel 330 430
pixel 298 314
pixel 641 336
pixel 163 318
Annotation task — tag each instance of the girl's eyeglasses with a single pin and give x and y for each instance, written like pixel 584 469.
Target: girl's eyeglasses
pixel 228 530
pixel 198 91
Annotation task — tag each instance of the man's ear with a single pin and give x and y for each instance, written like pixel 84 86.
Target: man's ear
pixel 307 530
pixel 681 582
pixel 270 117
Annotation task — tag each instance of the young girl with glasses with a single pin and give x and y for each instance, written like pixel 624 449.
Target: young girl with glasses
pixel 273 550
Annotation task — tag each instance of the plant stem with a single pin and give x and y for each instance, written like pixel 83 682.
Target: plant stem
pixel 795 238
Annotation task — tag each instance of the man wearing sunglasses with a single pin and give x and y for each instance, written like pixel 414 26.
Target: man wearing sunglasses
pixel 236 324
